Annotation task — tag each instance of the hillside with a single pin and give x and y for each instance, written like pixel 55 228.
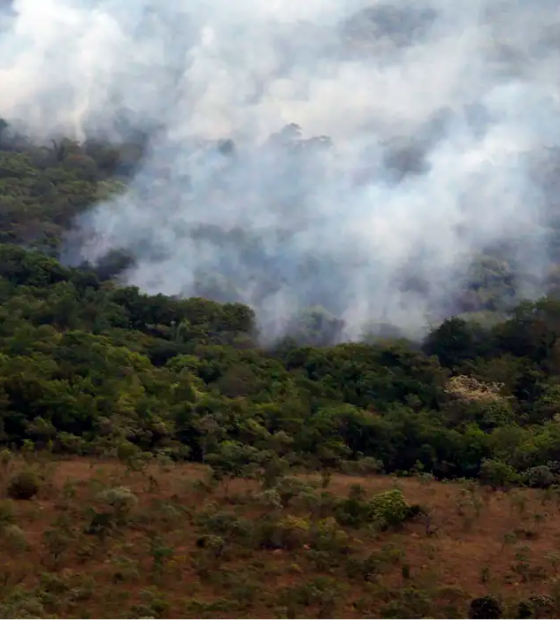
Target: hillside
pixel 172 450
pixel 279 309
pixel 102 540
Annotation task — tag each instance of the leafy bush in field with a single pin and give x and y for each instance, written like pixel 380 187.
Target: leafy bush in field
pixel 408 603
pixel 386 509
pixel 290 532
pixel 497 474
pixel 23 485
pixel 226 524
pixel 326 535
pixel 121 500
pixel 539 477
pixel 536 607
pixel 15 538
pixel 390 508
pixel 290 487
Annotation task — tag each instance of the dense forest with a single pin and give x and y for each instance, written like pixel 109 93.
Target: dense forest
pixel 90 366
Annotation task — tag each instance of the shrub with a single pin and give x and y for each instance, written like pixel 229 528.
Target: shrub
pixel 322 593
pixel 325 535
pixel 227 525
pixel 354 510
pixel 214 544
pixel 6 514
pixel 289 487
pixel 311 500
pixel 15 539
pixel 485 607
pixel 535 607
pixel 408 603
pixel 100 524
pixel 386 509
pixel 20 603
pixel 365 569
pixel 120 499
pixel 497 474
pixel 291 532
pixel 367 465
pixel 23 485
pixel 389 508
pixel 269 498
pixel 539 477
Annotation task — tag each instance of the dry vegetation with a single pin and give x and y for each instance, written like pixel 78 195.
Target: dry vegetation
pixel 100 540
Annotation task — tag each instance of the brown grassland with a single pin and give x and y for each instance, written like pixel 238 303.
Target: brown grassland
pixel 99 540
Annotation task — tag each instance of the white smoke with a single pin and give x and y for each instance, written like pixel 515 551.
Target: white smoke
pixel 436 109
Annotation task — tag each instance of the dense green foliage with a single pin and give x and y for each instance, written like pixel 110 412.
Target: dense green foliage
pixel 88 366
pixel 43 188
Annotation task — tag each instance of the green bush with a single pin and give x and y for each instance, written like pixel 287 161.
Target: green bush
pixel 389 508
pixel 14 538
pixel 536 607
pixel 539 477
pixel 365 569
pixel 6 514
pixel 121 501
pixel 355 510
pixel 23 485
pixel 291 533
pixel 386 509
pixel 227 525
pixel 289 487
pixel 325 535
pixel 497 474
pixel 408 603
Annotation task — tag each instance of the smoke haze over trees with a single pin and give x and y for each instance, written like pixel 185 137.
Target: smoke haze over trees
pixel 372 158
pixel 284 241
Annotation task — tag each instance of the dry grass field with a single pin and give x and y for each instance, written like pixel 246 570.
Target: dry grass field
pixel 100 541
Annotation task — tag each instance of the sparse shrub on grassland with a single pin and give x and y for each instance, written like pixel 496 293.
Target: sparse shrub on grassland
pixel 389 507
pixel 536 607
pixel 290 487
pixel 539 477
pixel 14 538
pixel 227 525
pixel 407 603
pixel 498 474
pixel 120 499
pixel 386 509
pixel 321 592
pixel 23 485
pixel 7 516
pixel 326 535
pixel 290 533
pixel 20 603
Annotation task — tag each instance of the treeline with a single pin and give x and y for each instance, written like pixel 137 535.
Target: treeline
pixel 88 367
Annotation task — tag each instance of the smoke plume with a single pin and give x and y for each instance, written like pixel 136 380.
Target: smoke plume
pixel 353 154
